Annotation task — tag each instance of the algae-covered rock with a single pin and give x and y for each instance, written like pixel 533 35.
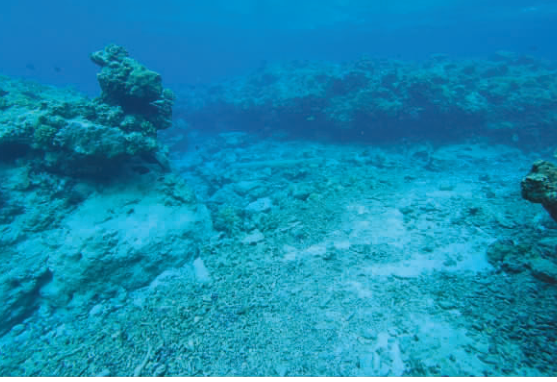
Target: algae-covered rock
pixel 540 186
pixel 138 90
pixel 65 132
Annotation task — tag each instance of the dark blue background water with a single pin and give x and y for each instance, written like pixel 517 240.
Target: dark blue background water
pixel 200 41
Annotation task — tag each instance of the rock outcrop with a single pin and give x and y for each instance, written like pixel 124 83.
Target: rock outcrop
pixel 540 186
pixel 68 133
pixel 67 239
pixel 138 90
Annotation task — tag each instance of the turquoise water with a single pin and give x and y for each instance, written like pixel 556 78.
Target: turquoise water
pixel 278 188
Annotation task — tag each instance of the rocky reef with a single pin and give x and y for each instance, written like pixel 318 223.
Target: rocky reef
pixel 71 232
pixel 533 250
pixel 67 133
pixel 509 97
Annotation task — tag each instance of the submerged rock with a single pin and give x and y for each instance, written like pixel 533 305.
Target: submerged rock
pixel 544 270
pixel 64 132
pixel 509 256
pixel 138 90
pixel 75 248
pixel 70 241
pixel 540 186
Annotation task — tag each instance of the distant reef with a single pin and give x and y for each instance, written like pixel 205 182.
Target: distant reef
pixel 67 133
pixel 508 97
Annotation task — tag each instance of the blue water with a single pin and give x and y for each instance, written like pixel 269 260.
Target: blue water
pixel 188 42
pixel 309 188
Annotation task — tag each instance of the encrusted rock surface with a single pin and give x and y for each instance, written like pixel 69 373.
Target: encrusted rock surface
pixel 138 90
pixel 67 133
pixel 540 186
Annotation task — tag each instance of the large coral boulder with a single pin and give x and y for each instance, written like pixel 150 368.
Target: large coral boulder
pixel 127 83
pixel 540 186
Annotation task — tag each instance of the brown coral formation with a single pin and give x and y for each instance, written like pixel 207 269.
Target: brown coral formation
pixel 540 186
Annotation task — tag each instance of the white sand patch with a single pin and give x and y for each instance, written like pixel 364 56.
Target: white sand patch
pixel 380 227
pixel 164 277
pixel 421 264
pixel 444 346
pixel 360 289
pixel 470 256
pixel 407 268
pixel 316 250
pixel 290 256
pixel 341 244
pixel 253 238
pixel 290 252
pixel 201 272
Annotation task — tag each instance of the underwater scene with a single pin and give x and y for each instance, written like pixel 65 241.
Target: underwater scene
pixel 278 188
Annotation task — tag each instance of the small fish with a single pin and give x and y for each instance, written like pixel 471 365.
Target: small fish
pixel 57 69
pixel 30 66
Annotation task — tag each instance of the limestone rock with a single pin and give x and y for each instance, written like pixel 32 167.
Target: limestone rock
pixel 253 238
pixel 544 270
pixel 260 205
